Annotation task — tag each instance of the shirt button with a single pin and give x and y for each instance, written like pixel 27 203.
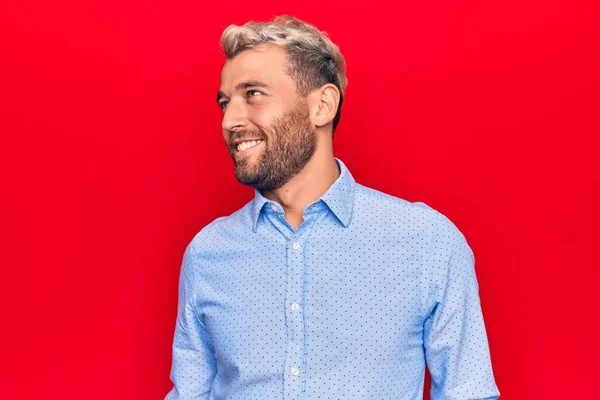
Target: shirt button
pixel 295 371
pixel 295 306
pixel 314 206
pixel 296 245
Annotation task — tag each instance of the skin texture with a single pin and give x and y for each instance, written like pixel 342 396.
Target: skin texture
pixel 294 164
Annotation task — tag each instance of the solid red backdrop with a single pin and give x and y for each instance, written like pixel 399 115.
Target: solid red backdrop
pixel 112 159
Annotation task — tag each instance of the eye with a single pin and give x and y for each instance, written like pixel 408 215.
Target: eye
pixel 223 104
pixel 253 93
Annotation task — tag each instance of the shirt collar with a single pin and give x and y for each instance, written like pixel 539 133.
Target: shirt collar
pixel 339 198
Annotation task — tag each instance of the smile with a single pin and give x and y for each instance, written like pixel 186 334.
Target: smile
pixel 242 147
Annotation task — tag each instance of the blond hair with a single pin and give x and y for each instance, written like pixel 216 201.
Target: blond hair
pixel 313 59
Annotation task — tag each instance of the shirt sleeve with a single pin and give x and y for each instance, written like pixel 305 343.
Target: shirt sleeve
pixel 193 363
pixel 456 345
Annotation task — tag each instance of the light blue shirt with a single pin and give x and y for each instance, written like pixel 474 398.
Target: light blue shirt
pixel 353 304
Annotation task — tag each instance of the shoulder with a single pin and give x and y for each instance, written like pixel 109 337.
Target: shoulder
pixel 416 216
pixel 215 234
pixel 390 208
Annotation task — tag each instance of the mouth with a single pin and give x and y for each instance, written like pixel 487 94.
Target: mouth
pixel 246 147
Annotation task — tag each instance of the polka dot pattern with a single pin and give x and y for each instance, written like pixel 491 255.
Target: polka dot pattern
pixel 353 304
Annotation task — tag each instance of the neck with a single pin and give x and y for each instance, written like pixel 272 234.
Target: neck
pixel 307 186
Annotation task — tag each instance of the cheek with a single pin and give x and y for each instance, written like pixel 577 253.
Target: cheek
pixel 262 121
pixel 264 115
pixel 265 128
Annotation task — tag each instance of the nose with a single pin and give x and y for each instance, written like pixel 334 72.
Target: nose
pixel 234 117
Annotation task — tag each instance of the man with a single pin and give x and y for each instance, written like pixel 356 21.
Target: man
pixel 318 288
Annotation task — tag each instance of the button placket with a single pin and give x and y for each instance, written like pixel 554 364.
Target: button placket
pixel 295 308
pixel 294 317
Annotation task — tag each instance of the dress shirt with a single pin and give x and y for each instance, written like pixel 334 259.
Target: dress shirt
pixel 353 304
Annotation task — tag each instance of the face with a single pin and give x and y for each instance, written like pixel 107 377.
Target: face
pixel 266 124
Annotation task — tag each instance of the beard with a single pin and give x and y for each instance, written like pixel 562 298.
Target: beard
pixel 289 143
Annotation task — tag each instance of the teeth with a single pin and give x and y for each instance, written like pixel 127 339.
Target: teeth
pixel 246 145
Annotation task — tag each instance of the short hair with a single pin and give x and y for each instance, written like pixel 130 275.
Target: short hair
pixel 313 59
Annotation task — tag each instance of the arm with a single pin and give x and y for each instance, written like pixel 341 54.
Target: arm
pixel 455 340
pixel 194 365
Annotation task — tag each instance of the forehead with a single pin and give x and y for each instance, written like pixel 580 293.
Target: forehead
pixel 266 63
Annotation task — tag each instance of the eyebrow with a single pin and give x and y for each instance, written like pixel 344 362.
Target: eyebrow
pixel 242 86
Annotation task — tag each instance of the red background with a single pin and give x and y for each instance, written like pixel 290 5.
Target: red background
pixel 112 159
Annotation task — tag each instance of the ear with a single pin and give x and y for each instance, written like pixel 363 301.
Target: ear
pixel 323 104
